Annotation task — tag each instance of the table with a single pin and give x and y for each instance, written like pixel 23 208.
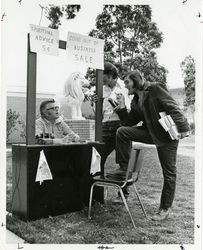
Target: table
pixel 69 189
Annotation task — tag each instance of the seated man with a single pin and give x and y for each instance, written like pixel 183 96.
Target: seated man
pixel 52 124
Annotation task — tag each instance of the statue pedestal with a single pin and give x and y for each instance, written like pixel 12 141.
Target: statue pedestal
pixel 84 128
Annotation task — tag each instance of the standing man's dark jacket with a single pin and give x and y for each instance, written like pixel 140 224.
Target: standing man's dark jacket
pixel 155 99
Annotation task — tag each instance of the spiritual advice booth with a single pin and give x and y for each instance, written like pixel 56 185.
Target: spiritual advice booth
pixel 56 178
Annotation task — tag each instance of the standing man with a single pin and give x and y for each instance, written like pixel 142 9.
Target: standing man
pixel 111 121
pixel 149 100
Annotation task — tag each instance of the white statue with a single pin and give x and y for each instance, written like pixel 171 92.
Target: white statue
pixel 73 94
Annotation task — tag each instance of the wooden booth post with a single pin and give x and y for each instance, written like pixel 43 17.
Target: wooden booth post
pixel 31 95
pixel 99 105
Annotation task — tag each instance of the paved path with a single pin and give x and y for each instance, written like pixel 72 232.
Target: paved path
pixel 11 238
pixel 186 152
pixel 186 148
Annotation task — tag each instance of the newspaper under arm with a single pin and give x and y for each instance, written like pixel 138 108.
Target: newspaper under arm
pixel 169 125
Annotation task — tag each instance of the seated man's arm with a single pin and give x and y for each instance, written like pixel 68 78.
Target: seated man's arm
pixel 69 134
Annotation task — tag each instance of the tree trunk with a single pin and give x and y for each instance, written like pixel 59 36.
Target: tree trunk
pixel 120 52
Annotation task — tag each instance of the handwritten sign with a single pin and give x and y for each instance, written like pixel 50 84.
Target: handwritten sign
pixel 44 40
pixel 85 50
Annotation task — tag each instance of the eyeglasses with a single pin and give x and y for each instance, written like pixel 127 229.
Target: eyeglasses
pixel 126 81
pixel 53 108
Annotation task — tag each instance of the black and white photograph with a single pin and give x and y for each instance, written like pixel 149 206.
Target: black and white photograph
pixel 101 124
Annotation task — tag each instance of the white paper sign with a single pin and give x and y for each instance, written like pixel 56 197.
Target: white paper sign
pixel 95 162
pixel 43 170
pixel 85 50
pixel 44 40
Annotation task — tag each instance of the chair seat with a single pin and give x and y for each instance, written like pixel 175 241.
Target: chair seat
pixel 141 145
pixel 113 178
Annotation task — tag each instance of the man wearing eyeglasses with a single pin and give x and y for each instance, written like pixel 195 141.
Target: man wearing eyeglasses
pixel 50 123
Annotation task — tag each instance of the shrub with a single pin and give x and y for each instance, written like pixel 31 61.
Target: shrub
pixel 192 127
pixel 23 129
pixel 11 122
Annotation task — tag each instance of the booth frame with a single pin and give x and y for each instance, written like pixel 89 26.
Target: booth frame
pixel 31 95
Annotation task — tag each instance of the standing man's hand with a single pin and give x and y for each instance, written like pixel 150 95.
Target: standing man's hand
pixel 184 134
pixel 120 99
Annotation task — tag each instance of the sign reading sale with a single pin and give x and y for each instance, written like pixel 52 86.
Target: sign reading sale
pixel 85 50
pixel 44 40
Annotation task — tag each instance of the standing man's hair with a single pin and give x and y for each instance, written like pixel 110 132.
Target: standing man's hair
pixel 110 69
pixel 43 105
pixel 137 78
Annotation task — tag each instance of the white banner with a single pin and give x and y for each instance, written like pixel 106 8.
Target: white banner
pixel 95 162
pixel 43 170
pixel 44 40
pixel 85 50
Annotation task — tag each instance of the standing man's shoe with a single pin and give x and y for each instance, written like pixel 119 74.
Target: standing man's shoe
pixel 161 215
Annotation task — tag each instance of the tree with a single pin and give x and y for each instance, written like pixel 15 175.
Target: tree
pixel 55 13
pixel 130 37
pixel 127 29
pixel 188 72
pixel 147 63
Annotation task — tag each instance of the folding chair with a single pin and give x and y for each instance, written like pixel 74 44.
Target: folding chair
pixel 112 180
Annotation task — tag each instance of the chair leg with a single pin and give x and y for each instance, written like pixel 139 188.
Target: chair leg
pixel 90 201
pixel 142 206
pixel 126 206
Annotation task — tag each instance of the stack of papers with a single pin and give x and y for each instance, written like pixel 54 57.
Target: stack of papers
pixel 169 125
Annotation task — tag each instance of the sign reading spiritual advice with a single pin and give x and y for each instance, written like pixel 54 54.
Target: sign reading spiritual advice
pixel 44 40
pixel 85 50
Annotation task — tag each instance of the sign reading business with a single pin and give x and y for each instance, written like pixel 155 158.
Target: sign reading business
pixel 85 50
pixel 44 40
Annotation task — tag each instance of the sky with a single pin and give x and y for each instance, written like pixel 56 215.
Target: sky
pixel 177 21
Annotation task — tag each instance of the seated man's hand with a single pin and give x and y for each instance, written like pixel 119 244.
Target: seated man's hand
pixel 67 138
pixel 77 138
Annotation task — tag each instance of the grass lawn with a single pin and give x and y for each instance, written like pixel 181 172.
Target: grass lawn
pixel 110 222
